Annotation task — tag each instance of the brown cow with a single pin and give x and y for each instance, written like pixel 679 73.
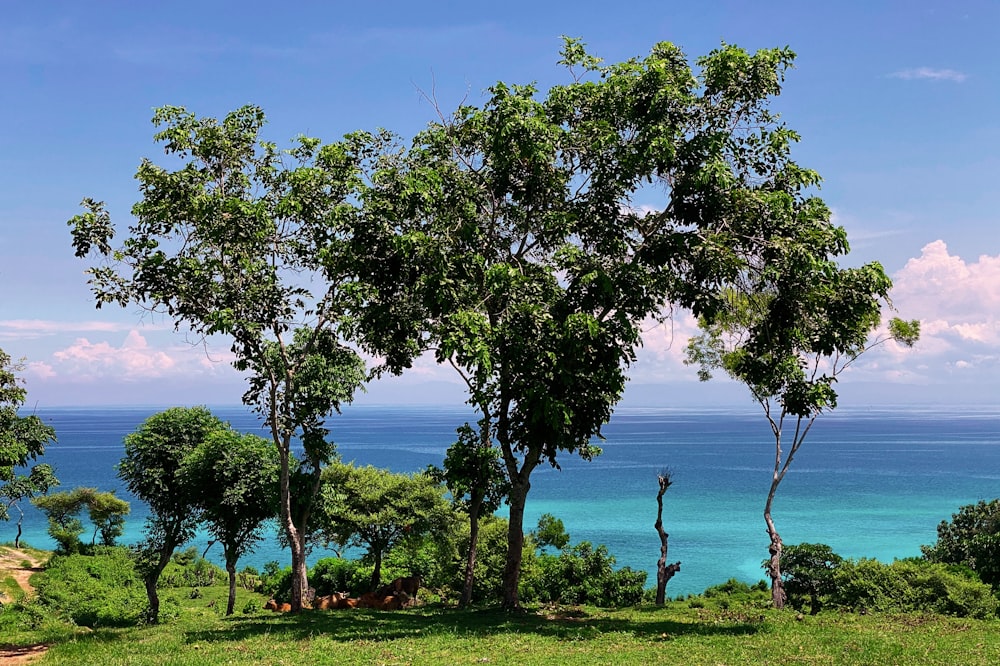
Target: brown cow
pixel 273 605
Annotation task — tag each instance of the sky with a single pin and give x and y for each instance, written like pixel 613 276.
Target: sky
pixel 895 102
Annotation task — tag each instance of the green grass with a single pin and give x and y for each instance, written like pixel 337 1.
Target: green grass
pixel 675 634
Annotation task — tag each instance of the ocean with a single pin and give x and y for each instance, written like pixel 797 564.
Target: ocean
pixel 868 483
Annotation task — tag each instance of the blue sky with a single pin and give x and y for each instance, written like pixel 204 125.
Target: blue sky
pixel 896 103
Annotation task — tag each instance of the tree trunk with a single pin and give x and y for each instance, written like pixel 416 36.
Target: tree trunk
pixel 774 563
pixel 515 544
pixel 231 569
pixel 470 560
pixel 296 536
pixel 151 579
pixel 376 579
pixel 663 572
pixel 17 539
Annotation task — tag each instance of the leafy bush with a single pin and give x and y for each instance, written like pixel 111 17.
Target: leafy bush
pixel 971 538
pixel 276 581
pixel 586 575
pixel 911 586
pixel 335 574
pixel 187 571
pixel 731 593
pixel 93 590
pixel 807 570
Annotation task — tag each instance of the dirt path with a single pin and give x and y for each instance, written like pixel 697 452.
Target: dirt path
pixel 12 565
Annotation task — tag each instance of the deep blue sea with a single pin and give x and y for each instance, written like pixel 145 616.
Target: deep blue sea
pixel 868 483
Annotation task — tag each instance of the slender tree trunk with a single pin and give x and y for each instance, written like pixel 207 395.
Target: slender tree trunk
pixel 17 539
pixel 663 572
pixel 296 539
pixel 470 560
pixel 515 544
pixel 778 596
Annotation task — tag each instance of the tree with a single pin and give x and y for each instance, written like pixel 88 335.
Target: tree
pixel 151 469
pixel 533 267
pixel 238 476
pixel 475 478
pixel 375 509
pixel 106 512
pixel 63 510
pixel 256 244
pixel 971 538
pixel 550 533
pixel 664 572
pixel 22 440
pixel 798 322
pixel 808 570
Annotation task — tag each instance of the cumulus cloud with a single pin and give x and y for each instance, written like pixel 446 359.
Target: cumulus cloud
pixel 930 73
pixel 958 304
pixel 133 360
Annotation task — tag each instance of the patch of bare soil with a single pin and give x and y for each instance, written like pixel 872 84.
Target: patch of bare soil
pixel 12 565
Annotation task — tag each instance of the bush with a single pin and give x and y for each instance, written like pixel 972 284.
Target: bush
pixel 276 581
pixel 807 570
pixel 335 574
pixel 911 586
pixel 185 570
pixel 586 575
pixel 97 590
pixel 971 538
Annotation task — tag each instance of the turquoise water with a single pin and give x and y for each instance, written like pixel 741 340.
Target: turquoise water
pixel 870 484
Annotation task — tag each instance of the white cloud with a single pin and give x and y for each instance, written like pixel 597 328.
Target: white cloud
pixel 28 328
pixel 133 360
pixel 930 73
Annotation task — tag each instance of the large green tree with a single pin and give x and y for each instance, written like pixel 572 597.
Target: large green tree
pixel 375 509
pixel 522 224
pixel 237 476
pixel 247 241
pixel 22 441
pixel 151 470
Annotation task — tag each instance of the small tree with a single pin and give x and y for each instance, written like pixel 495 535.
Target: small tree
pixel 63 510
pixel 475 478
pixel 107 512
pixel 239 477
pixel 800 323
pixel 808 570
pixel 971 538
pixel 376 509
pixel 664 572
pixel 151 468
pixel 22 440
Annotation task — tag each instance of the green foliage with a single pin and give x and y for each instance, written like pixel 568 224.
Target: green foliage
pixel 268 260
pixel 910 586
pixel 376 509
pixel 580 574
pixel 107 514
pixel 152 469
pixel 335 574
pixel 22 441
pixel 732 594
pixel 971 538
pixel 99 590
pixel 808 570
pixel 551 533
pixel 187 569
pixel 276 581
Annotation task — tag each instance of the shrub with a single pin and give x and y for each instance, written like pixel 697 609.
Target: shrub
pixel 93 590
pixel 335 574
pixel 187 571
pixel 586 575
pixel 971 538
pixel 911 586
pixel 807 570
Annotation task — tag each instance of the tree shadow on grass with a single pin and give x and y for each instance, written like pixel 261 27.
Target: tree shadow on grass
pixel 354 625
